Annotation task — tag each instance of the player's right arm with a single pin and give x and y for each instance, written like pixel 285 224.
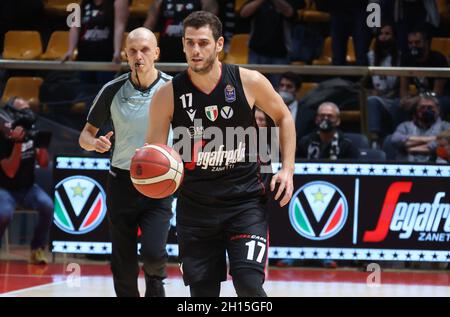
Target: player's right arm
pixel 160 115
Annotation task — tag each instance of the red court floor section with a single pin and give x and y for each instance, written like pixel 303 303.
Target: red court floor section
pixel 16 275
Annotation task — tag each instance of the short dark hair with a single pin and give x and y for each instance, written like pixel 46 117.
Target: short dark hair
pixel 200 19
pixel 296 79
pixel 422 31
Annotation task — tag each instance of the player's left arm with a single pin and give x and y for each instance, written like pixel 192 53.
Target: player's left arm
pixel 259 91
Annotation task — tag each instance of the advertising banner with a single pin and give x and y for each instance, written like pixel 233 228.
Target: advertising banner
pixel 342 211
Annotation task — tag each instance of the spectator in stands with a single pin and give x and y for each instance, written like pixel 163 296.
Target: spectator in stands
pixel 18 156
pixel 270 32
pixel 443 147
pixel 348 18
pixel 166 17
pixel 415 140
pixel 261 118
pixel 421 55
pixel 228 15
pixel 99 38
pixel 383 104
pixel 410 14
pixel 288 86
pixel 328 142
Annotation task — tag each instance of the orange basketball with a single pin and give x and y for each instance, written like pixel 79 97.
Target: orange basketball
pixel 156 170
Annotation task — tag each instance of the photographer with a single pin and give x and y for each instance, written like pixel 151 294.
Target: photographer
pixel 20 148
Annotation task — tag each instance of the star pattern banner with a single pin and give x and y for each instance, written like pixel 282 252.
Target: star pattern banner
pixel 342 211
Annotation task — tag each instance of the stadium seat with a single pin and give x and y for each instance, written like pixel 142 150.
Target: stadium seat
pixel 24 87
pixel 57 46
pixel 58 7
pixel 311 14
pixel 22 45
pixel 372 155
pixel 443 12
pixel 350 116
pixel 326 57
pixel 359 140
pixel 139 8
pixel 238 53
pixel 305 88
pixel 442 45
pixel 238 4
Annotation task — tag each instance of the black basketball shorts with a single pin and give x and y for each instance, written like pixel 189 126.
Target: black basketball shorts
pixel 203 246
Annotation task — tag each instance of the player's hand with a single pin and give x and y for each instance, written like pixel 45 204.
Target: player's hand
pixel 18 134
pixel 103 144
pixel 286 183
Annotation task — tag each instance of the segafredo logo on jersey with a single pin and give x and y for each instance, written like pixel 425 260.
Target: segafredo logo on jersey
pixel 431 220
pixel 79 204
pixel 216 160
pixel 318 210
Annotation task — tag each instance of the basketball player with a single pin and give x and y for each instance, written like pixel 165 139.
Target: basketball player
pixel 125 100
pixel 221 201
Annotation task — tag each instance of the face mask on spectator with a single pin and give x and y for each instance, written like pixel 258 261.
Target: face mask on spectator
pixel 442 153
pixel 428 116
pixel 417 52
pixel 326 125
pixel 288 97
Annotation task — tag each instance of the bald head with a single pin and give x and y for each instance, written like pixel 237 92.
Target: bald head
pixel 142 50
pixel 141 34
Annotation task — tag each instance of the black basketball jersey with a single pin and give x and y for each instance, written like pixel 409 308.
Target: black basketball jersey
pixel 220 171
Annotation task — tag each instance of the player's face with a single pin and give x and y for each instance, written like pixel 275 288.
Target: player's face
pixel 201 49
pixel 141 53
pixel 386 34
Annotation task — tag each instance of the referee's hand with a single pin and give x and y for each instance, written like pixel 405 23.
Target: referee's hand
pixel 103 144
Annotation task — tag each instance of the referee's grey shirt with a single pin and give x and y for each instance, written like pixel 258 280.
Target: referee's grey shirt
pixel 127 107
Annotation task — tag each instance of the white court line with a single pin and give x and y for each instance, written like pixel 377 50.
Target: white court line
pixel 27 276
pixel 22 290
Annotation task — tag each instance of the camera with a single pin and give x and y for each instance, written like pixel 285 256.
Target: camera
pixel 10 118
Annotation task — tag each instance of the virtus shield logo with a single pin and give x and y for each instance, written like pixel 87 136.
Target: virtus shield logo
pixel 79 205
pixel 318 210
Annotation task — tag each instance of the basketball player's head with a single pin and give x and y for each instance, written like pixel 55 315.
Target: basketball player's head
pixel 202 40
pixel 142 50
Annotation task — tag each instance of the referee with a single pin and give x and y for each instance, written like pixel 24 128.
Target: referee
pixel 126 100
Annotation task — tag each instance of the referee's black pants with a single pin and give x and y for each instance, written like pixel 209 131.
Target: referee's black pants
pixel 128 210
